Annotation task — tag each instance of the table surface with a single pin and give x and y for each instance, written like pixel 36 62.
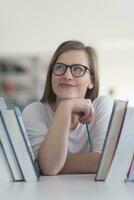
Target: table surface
pixel 67 187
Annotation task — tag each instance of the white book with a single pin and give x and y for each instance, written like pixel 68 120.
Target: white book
pixel 111 141
pixel 26 139
pixel 125 149
pixel 19 145
pixel 130 176
pixel 5 171
pixel 2 103
pixel 9 150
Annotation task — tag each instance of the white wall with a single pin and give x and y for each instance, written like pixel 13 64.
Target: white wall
pixel 38 26
pixel 117 67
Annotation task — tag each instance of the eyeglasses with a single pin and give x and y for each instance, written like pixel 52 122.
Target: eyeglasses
pixel 77 70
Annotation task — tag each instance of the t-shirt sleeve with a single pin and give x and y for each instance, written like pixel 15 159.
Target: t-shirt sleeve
pixel 103 108
pixel 36 125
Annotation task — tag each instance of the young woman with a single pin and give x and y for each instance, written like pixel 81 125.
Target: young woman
pixel 67 127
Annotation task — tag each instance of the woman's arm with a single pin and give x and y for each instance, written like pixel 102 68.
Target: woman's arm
pixel 81 163
pixel 53 151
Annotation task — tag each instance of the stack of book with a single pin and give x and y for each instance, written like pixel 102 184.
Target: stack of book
pixel 17 160
pixel 117 159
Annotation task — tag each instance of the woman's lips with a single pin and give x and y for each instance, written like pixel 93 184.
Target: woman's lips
pixel 66 85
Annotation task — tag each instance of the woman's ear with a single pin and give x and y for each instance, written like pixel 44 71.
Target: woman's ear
pixel 90 86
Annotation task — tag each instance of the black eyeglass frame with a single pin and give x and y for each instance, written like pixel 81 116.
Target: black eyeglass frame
pixel 70 67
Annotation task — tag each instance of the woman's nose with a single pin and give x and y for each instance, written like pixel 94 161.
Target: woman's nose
pixel 68 73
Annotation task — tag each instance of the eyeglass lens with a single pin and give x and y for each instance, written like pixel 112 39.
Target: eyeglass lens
pixel 77 70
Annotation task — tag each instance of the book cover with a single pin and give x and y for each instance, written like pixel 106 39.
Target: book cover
pixel 125 149
pixel 5 170
pixel 112 137
pixel 19 145
pixel 130 175
pixel 2 103
pixel 26 139
pixel 9 150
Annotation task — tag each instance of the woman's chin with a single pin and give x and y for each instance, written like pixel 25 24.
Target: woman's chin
pixel 68 97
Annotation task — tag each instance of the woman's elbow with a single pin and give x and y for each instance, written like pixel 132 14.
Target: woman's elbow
pixel 49 171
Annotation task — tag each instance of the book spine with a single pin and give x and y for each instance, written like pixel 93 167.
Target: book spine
pixel 26 140
pixel 20 146
pixel 2 103
pixel 125 149
pixel 101 171
pixel 5 169
pixel 9 150
pixel 130 176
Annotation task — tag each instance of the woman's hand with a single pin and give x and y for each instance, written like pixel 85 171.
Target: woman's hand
pixel 83 108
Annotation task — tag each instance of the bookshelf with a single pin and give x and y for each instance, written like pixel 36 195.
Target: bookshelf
pixel 19 79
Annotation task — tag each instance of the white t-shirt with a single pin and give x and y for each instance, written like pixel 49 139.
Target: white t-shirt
pixel 38 117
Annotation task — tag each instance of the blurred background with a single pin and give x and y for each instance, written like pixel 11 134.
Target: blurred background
pixel 31 30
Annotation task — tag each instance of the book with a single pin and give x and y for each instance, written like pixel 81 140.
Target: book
pixel 125 148
pixel 26 139
pixel 130 175
pixel 112 139
pixel 5 170
pixel 19 145
pixel 2 103
pixel 9 150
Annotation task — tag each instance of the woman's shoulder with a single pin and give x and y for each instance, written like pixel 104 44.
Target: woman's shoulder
pixel 103 101
pixel 35 107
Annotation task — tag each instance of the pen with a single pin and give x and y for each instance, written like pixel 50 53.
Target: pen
pixel 89 137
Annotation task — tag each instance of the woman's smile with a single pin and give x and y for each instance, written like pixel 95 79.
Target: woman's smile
pixel 66 85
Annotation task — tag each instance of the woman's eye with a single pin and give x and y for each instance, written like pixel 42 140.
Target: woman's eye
pixel 59 67
pixel 78 69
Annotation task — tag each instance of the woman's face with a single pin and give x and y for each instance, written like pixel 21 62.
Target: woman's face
pixel 67 86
